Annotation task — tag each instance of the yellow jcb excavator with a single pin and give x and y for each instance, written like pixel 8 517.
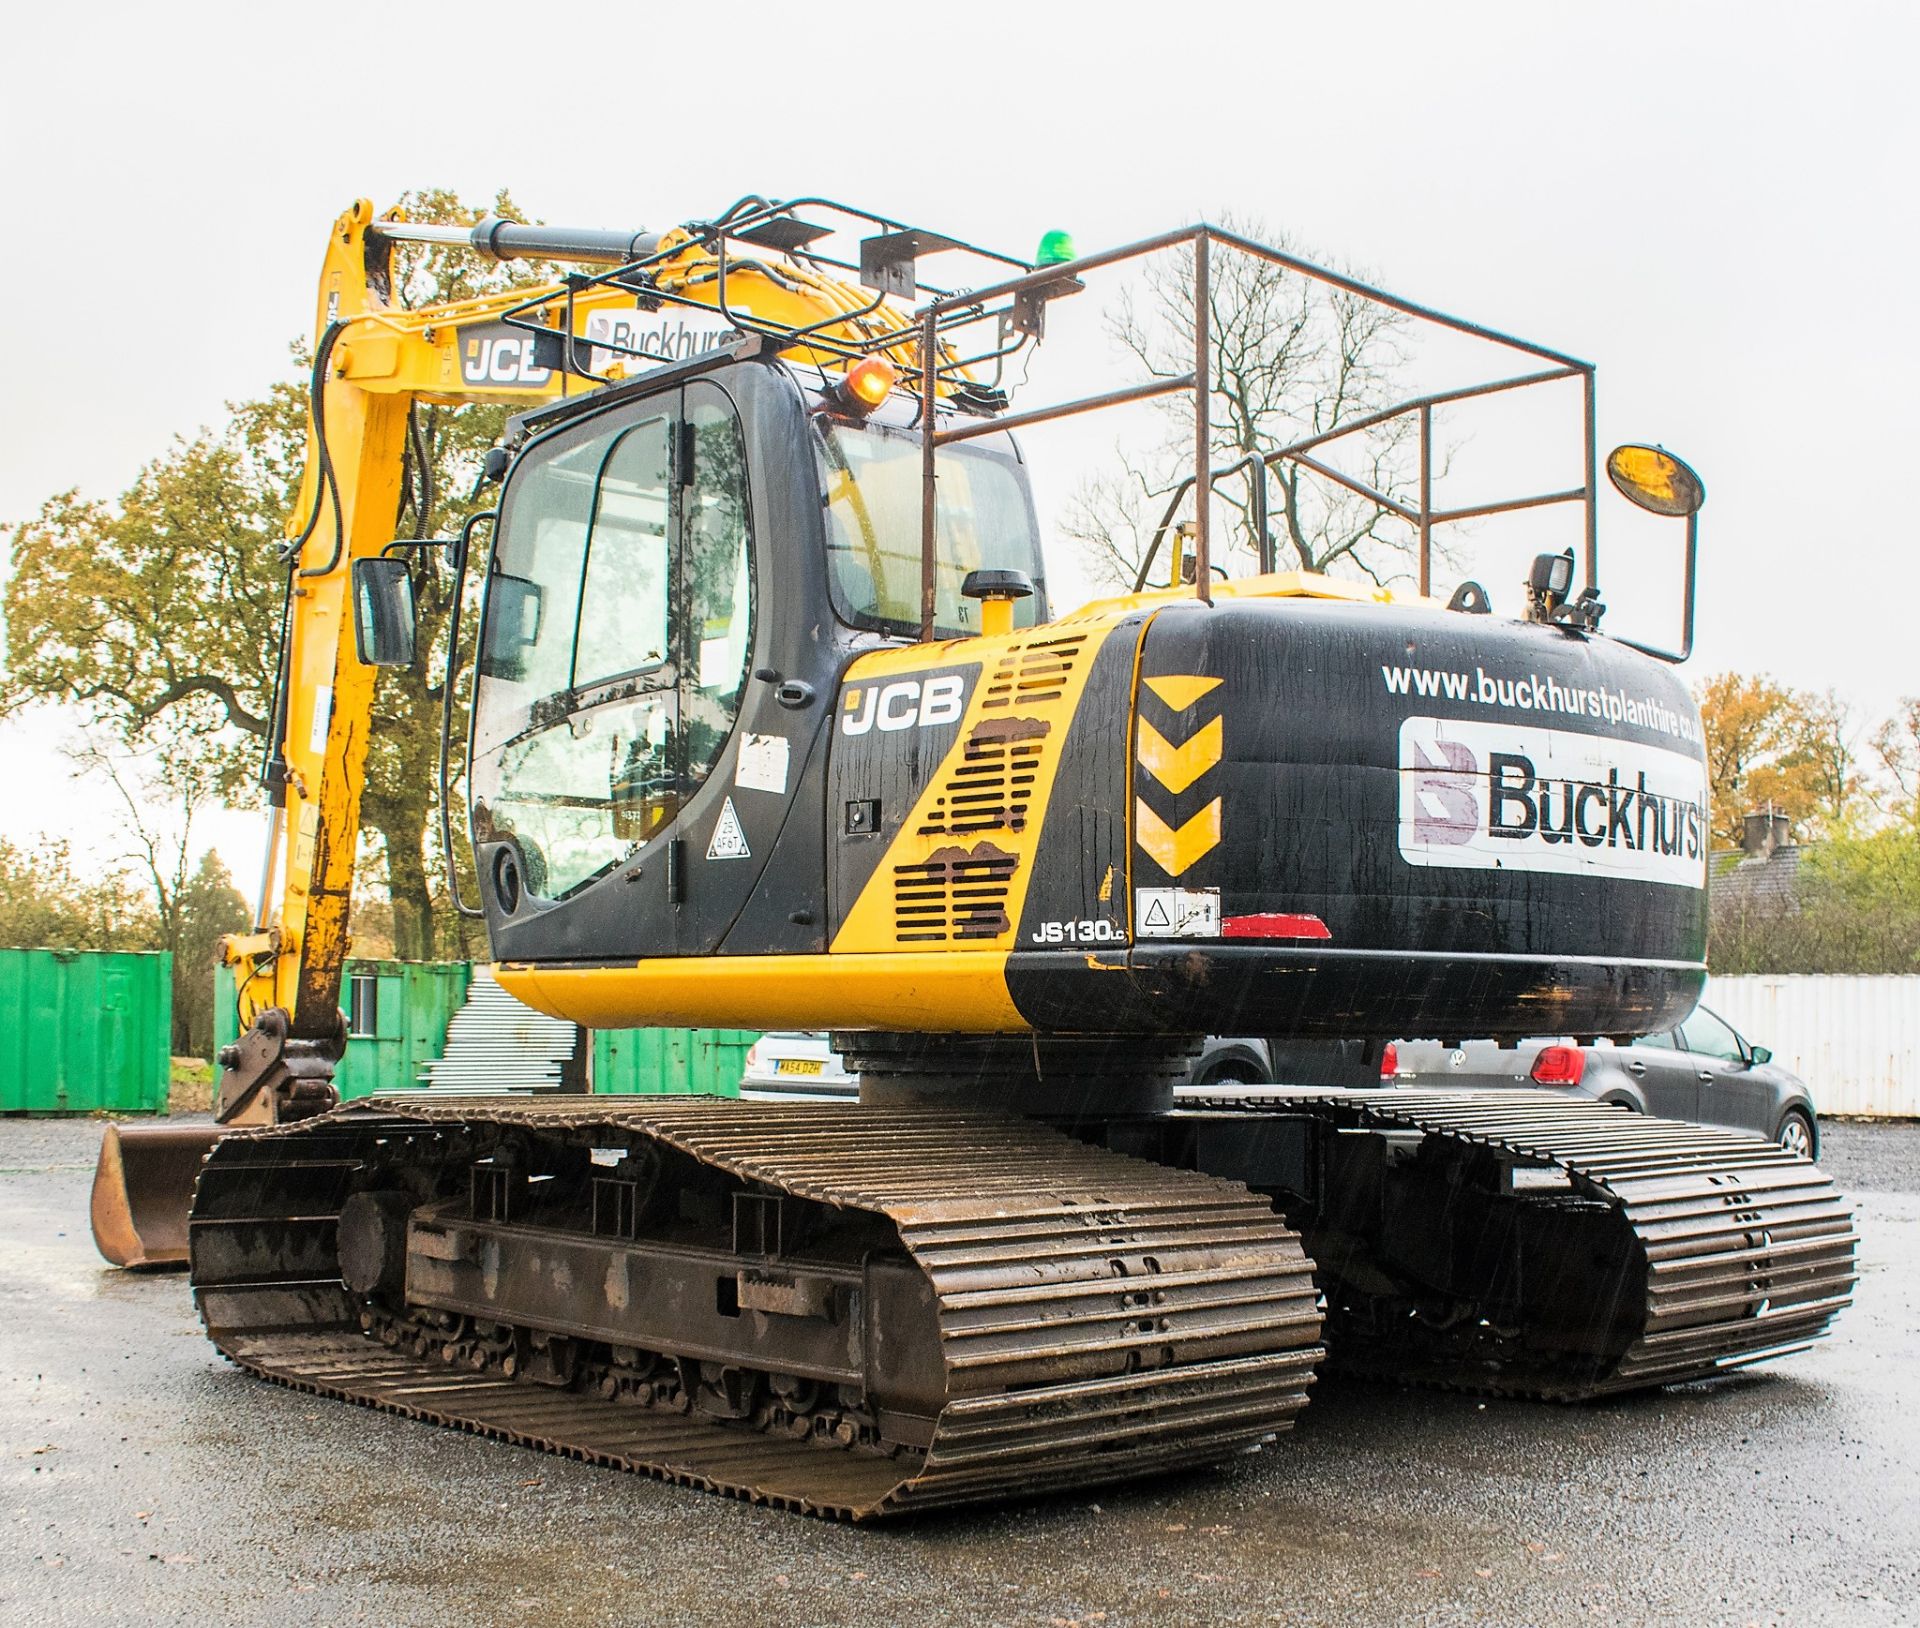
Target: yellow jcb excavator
pixel 773 725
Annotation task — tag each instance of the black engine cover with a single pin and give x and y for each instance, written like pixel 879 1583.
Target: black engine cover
pixel 1388 821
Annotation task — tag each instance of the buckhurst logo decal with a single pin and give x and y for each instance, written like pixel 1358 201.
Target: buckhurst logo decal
pixel 642 339
pixel 1488 796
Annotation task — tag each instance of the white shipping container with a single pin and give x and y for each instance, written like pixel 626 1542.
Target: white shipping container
pixel 1854 1040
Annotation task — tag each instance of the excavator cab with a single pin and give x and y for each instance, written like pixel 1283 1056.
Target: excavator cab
pixel 678 580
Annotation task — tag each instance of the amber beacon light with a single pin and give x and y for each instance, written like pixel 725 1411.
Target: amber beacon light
pixel 868 383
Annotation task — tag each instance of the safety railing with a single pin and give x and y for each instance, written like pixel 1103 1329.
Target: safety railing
pixel 959 340
pixel 1011 304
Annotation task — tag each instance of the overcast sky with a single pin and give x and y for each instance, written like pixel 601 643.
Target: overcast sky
pixel 1714 202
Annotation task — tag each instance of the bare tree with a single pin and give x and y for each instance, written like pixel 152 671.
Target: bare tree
pixel 1292 358
pixel 158 843
pixel 1897 745
pixel 192 905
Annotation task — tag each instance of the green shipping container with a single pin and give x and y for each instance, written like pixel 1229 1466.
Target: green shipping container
pixel 397 1014
pixel 664 1062
pixel 84 1030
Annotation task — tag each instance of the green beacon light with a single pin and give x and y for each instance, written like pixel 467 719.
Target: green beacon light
pixel 1056 249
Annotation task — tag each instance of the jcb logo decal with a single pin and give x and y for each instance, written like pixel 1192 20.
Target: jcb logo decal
pixel 498 354
pixel 906 703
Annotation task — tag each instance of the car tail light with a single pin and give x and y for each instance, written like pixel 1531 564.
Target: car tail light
pixel 752 1059
pixel 1559 1065
pixel 1389 1061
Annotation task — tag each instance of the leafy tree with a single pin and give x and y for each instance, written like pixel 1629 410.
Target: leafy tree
pixel 49 902
pixel 1770 746
pixel 1292 357
pixel 158 615
pixel 209 906
pixel 1854 908
pixel 1869 883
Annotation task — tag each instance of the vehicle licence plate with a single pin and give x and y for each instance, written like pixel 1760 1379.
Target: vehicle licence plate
pixel 799 1065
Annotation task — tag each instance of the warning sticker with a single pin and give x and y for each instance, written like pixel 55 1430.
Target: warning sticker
pixel 1176 912
pixel 322 716
pixel 762 764
pixel 729 841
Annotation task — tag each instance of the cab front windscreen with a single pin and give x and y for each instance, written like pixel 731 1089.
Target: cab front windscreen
pixel 984 520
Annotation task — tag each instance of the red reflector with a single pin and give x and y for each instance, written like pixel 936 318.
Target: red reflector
pixel 1276 924
pixel 1559 1065
pixel 1389 1061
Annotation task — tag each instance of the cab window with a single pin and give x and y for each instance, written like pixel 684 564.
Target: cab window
pixel 717 582
pixel 983 519
pixel 618 629
pixel 623 617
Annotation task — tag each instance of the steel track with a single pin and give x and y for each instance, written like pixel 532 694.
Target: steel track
pixel 1726 1249
pixel 1099 1318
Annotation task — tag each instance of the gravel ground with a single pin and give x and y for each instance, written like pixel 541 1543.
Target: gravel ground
pixel 1865 1157
pixel 142 1480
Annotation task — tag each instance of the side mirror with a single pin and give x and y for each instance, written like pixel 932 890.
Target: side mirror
pixel 1651 478
pixel 513 611
pixel 384 617
pixel 1762 1054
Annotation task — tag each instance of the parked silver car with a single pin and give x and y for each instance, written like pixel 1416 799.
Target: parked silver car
pixel 797 1065
pixel 1703 1071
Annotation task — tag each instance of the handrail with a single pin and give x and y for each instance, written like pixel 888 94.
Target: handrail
pixel 942 316
pixel 1263 539
pixel 781 239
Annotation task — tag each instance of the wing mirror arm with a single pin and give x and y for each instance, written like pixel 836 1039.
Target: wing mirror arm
pixel 1653 479
pixel 1686 605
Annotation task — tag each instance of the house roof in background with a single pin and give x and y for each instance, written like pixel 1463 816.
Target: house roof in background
pixel 1744 882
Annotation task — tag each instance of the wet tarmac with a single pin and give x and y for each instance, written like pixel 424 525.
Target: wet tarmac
pixel 142 1480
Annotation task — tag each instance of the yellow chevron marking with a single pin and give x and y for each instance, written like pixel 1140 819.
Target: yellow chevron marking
pixel 1178 692
pixel 1177 767
pixel 1174 851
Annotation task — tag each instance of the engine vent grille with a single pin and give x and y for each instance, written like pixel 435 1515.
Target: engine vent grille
pixel 960 892
pixel 993 784
pixel 1036 671
pixel 953 893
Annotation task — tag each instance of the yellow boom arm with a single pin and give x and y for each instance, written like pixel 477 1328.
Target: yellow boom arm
pixel 377 360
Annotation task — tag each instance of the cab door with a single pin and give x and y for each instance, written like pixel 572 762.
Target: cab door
pixel 617 635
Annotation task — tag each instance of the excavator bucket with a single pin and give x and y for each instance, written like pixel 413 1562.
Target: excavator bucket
pixel 143 1185
pixel 143 1188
